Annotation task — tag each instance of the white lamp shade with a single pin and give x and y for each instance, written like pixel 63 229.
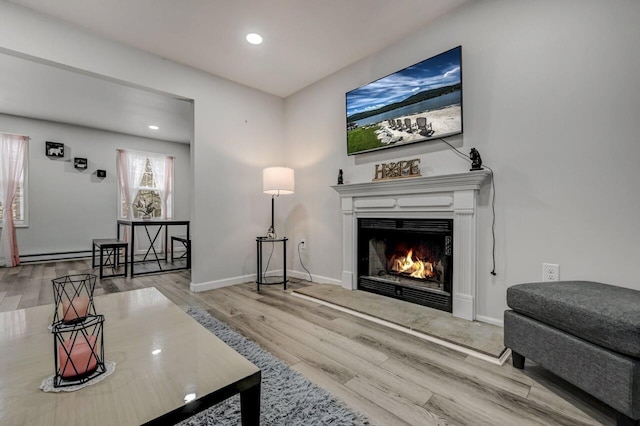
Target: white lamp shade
pixel 278 181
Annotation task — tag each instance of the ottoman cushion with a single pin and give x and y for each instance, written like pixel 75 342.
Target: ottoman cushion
pixel 602 314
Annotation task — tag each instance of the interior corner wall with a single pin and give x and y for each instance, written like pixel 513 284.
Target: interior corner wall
pixel 551 101
pixel 237 132
pixel 67 208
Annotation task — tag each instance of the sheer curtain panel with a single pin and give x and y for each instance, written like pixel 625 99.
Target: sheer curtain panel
pixel 13 157
pixel 162 168
pixel 130 170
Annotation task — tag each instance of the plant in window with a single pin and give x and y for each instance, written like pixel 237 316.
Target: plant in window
pixel 145 208
pixel 146 203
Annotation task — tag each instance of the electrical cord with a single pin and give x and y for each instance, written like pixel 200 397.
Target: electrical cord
pixel 493 205
pixel 273 247
pixel 299 257
pixel 303 267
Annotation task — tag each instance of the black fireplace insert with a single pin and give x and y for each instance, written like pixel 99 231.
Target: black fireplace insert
pixel 407 259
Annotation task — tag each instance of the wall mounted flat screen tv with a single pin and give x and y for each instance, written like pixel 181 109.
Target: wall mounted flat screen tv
pixel 419 103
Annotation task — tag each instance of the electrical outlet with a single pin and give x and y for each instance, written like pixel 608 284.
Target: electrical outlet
pixel 303 243
pixel 550 272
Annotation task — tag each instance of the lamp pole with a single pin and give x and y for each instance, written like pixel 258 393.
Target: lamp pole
pixel 271 233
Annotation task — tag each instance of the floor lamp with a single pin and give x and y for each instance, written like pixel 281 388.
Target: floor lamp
pixel 277 181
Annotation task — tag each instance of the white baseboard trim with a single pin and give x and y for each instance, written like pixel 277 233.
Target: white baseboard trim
pixel 316 278
pixel 212 285
pixel 490 320
pixel 467 351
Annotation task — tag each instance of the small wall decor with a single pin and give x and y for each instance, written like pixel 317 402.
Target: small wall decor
pixel 54 149
pixel 80 163
pixel 398 170
pixel 101 173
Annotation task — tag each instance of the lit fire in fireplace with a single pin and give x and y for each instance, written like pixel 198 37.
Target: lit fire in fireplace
pixel 415 268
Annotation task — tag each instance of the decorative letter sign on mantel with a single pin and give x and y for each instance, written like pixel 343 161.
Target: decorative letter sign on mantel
pixel 398 170
pixel 440 197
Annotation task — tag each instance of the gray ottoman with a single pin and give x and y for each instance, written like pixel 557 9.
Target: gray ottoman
pixel 588 333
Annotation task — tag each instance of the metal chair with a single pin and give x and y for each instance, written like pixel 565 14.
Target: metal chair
pixel 111 247
pixel 187 245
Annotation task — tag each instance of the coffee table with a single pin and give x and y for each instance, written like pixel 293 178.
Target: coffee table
pixel 146 388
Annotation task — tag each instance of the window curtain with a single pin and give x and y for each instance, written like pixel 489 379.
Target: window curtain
pixel 13 157
pixel 131 167
pixel 162 168
pixel 130 171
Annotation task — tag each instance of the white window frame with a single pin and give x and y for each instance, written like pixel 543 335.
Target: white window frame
pixel 139 188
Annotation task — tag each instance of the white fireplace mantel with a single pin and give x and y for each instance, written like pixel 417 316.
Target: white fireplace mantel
pixel 439 197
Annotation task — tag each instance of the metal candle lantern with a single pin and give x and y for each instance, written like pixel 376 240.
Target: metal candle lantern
pixel 78 340
pixel 73 298
pixel 78 351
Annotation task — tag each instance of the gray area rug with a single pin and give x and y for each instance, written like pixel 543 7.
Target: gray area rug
pixel 287 397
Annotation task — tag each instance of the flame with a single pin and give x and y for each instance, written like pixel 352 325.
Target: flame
pixel 415 268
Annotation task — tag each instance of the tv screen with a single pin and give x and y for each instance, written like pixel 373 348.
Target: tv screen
pixel 418 103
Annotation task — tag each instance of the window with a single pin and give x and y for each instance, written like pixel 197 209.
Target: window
pixel 147 201
pixel 148 185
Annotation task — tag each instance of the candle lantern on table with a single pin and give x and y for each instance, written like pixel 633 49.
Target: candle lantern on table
pixel 78 342
pixel 73 298
pixel 78 351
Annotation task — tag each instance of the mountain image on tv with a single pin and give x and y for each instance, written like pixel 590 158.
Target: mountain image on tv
pixel 418 103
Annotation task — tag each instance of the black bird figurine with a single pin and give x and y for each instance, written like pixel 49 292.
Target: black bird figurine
pixel 476 160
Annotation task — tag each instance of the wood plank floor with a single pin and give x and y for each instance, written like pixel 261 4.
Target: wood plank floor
pixel 482 338
pixel 392 378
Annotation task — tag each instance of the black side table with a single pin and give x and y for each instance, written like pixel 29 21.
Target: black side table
pixel 261 279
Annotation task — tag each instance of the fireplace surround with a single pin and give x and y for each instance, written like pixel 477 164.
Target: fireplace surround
pixel 445 197
pixel 407 259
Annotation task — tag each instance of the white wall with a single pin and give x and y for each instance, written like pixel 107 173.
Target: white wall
pixel 551 101
pixel 237 132
pixel 68 207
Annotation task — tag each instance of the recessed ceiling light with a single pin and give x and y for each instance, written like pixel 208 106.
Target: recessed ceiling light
pixel 156 351
pixel 189 397
pixel 153 127
pixel 254 38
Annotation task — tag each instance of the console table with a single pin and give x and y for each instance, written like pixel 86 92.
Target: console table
pixel 261 278
pixel 151 252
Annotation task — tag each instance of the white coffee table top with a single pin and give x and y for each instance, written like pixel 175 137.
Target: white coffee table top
pixel 144 386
